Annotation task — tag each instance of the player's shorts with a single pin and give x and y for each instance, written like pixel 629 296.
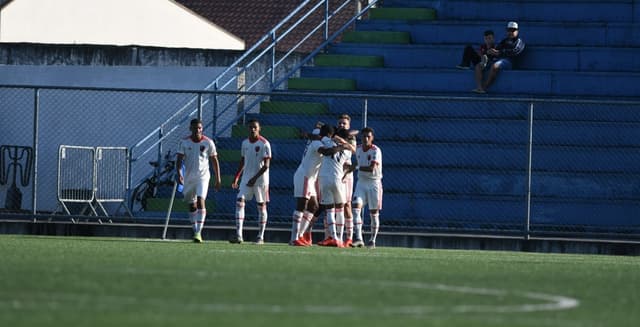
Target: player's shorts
pixel 348 187
pixel 260 192
pixel 369 192
pixel 194 189
pixel 331 191
pixel 303 186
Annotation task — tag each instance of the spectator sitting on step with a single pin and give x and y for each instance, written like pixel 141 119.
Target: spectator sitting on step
pixel 472 57
pixel 506 52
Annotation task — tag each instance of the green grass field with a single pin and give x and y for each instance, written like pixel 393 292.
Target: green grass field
pixel 70 281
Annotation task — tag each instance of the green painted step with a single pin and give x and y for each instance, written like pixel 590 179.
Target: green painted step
pixel 381 37
pixel 162 204
pixel 291 107
pixel 229 155
pixel 268 131
pixel 403 13
pixel 314 83
pixel 348 60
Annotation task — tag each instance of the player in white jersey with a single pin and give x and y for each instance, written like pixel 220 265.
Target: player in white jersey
pixel 197 152
pixel 332 192
pixel 368 188
pixel 344 122
pixel 304 188
pixel 254 168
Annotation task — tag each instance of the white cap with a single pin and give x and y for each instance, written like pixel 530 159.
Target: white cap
pixel 512 25
pixel 316 131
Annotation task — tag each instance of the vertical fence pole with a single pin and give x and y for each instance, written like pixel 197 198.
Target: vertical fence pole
pixel 36 128
pixel 527 225
pixel 273 60
pixel 326 20
pixel 214 128
pixel 200 106
pixel 365 111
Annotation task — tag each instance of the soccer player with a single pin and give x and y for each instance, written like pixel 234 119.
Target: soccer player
pixel 254 168
pixel 344 122
pixel 304 188
pixel 197 152
pixel 368 188
pixel 335 155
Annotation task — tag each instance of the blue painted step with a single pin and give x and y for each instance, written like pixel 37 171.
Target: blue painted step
pixel 539 83
pixel 533 33
pixel 534 57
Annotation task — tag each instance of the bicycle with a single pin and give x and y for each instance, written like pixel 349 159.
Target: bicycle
pixel 148 188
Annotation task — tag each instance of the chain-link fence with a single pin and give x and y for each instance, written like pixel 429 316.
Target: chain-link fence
pixel 450 165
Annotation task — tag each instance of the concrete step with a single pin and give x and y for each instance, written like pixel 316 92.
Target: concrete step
pixel 420 107
pixel 548 11
pixel 585 59
pixel 410 14
pixel 492 131
pixel 377 36
pixel 321 84
pixel 533 33
pixel 348 60
pixel 513 82
pixel 293 107
pixel 479 156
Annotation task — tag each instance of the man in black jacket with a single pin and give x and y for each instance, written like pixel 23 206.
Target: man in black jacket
pixel 505 52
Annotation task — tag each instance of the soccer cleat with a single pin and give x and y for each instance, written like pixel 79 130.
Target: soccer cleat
pixel 236 240
pixel 347 243
pixel 325 241
pixel 197 238
pixel 307 237
pixel 371 244
pixel 357 244
pixel 332 242
pixel 259 241
pixel 301 242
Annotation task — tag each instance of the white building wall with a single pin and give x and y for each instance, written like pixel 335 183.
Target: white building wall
pixel 161 23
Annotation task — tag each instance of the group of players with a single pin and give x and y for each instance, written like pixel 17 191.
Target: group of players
pixel 323 182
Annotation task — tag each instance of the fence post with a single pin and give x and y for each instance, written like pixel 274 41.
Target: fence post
pixel 527 225
pixel 326 20
pixel 273 60
pixel 365 112
pixel 214 128
pixel 36 128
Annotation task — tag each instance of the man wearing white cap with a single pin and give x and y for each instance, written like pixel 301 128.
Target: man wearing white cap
pixel 506 52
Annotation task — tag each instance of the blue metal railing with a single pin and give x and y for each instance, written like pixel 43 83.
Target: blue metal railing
pixel 266 45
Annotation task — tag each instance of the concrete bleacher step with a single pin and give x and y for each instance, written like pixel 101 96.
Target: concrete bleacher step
pixel 403 13
pixel 321 84
pixel 377 36
pixel 348 60
pixel 609 59
pixel 293 107
pixel 162 205
pixel 533 33
pixel 539 83
pixel 268 131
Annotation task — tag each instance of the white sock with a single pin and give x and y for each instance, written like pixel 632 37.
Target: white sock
pixel 201 215
pixel 348 224
pixel 239 218
pixel 339 222
pixel 193 218
pixel 375 224
pixel 262 220
pixel 331 222
pixel 306 221
pixel 357 226
pixel 295 225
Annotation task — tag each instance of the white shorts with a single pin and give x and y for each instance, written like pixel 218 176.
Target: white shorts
pixel 331 191
pixel 260 192
pixel 368 192
pixel 303 186
pixel 194 189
